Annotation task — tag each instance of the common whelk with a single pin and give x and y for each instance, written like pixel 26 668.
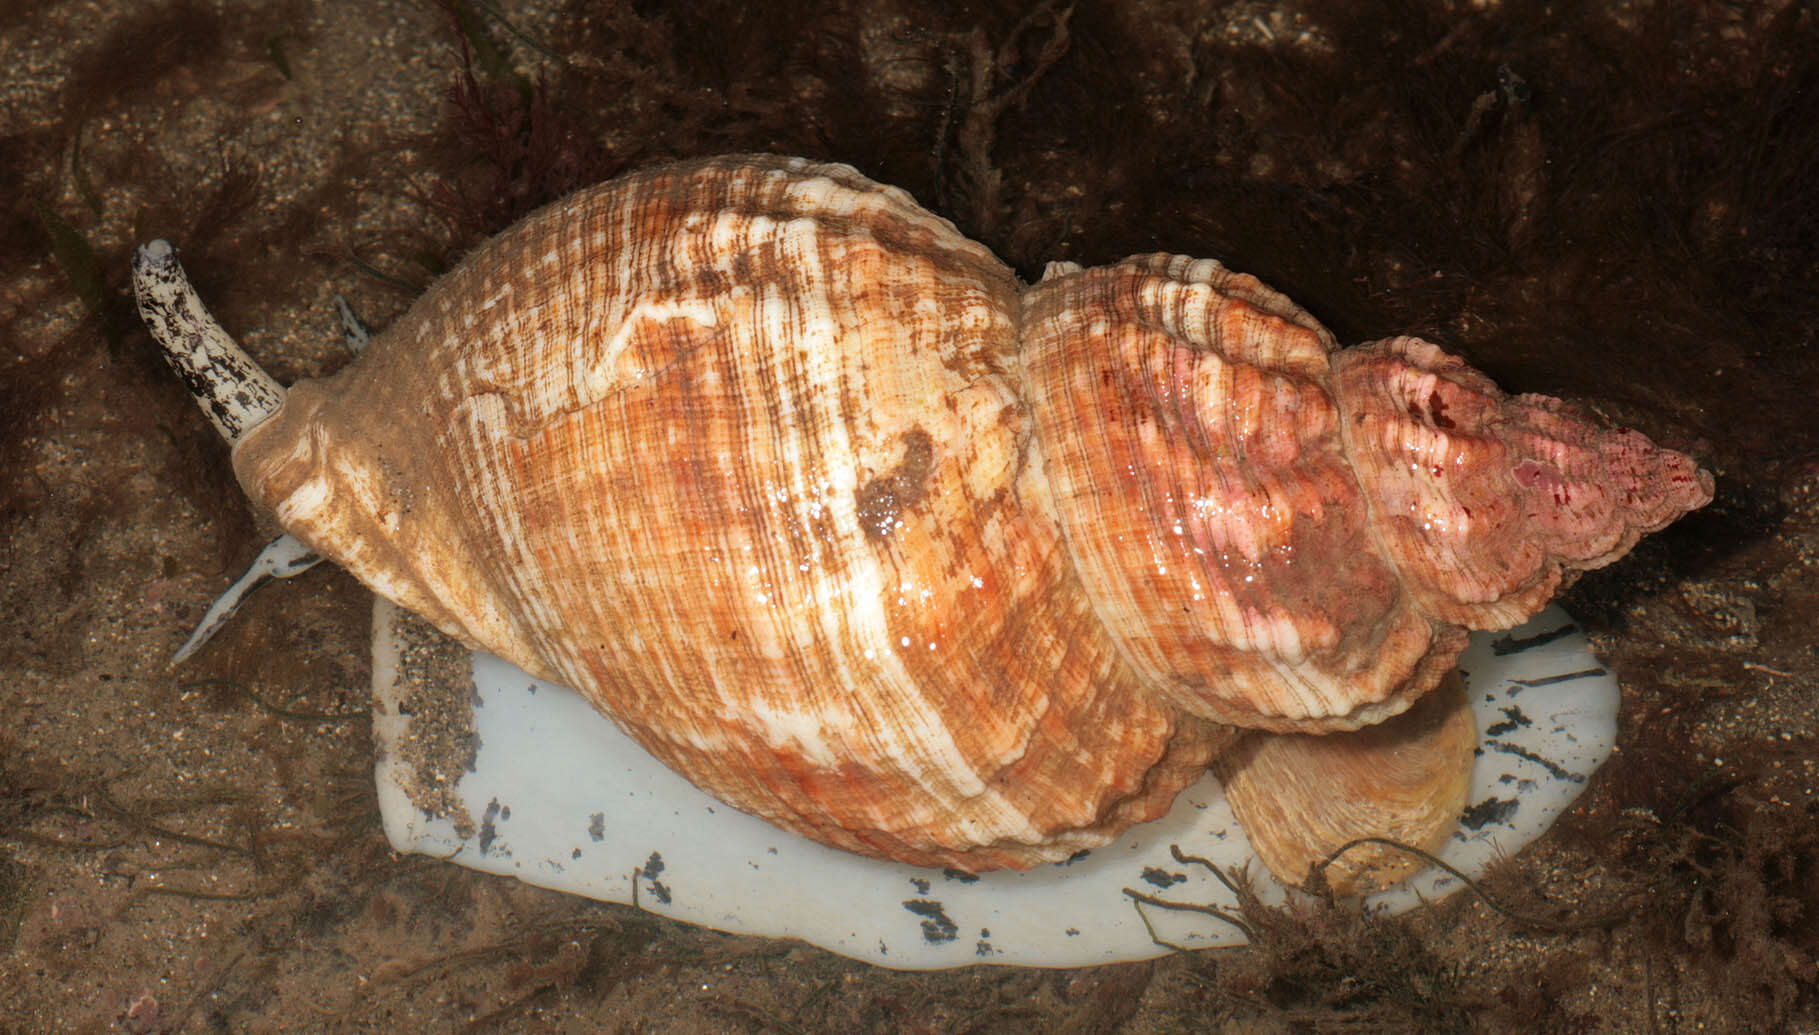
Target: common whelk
pixel 808 494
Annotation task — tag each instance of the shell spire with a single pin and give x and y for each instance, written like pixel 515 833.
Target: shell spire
pixel 232 390
pixel 1484 501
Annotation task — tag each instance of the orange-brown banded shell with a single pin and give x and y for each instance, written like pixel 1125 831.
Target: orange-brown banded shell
pixel 801 488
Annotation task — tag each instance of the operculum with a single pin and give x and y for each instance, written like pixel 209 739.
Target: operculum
pixel 1303 799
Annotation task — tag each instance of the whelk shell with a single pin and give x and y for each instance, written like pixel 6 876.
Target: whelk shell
pixel 813 498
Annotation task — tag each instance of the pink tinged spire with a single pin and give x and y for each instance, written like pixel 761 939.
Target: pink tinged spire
pixel 1484 501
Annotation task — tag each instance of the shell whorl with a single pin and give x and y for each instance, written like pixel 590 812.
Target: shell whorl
pixel 1194 448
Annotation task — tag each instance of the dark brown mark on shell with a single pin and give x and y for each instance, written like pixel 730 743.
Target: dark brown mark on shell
pixel 884 497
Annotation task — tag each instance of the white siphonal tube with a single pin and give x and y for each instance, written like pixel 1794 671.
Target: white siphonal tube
pixel 232 390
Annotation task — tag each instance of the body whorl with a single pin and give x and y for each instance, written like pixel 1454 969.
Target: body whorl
pixel 734 448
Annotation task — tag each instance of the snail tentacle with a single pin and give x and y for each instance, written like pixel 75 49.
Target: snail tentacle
pixel 353 329
pixel 282 557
